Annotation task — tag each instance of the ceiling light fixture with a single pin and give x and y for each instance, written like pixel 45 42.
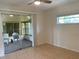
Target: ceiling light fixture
pixel 37 2
pixel 11 15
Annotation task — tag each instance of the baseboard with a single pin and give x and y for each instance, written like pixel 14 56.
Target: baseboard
pixel 66 48
pixel 1 52
pixel 42 44
pixel 74 50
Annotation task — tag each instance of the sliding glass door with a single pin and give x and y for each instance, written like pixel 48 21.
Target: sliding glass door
pixel 16 32
pixel 26 32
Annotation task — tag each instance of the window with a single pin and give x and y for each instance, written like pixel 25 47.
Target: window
pixel 26 27
pixel 10 28
pixel 68 19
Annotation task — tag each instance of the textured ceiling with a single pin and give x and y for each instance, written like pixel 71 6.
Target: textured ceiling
pixel 23 4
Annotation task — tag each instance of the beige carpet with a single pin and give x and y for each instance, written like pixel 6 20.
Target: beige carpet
pixel 43 52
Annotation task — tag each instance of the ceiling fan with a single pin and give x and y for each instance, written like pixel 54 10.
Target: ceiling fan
pixel 37 2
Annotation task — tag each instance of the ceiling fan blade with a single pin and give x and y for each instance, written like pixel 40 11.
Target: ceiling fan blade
pixel 46 1
pixel 31 3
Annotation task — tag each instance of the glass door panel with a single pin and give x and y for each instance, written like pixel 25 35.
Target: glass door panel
pixel 16 32
pixel 26 33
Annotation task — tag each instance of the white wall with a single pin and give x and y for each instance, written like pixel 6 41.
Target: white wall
pixel 41 29
pixel 1 41
pixel 65 36
pixel 68 36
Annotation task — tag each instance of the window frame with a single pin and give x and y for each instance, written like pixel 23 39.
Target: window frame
pixel 66 16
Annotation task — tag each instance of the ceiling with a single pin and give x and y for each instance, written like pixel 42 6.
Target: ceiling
pixel 23 4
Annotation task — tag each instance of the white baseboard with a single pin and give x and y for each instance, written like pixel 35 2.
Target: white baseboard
pixel 75 50
pixel 1 52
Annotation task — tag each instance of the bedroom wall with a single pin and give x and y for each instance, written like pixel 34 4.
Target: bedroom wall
pixel 42 31
pixel 65 36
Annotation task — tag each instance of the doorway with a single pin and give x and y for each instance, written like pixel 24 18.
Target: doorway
pixel 17 32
